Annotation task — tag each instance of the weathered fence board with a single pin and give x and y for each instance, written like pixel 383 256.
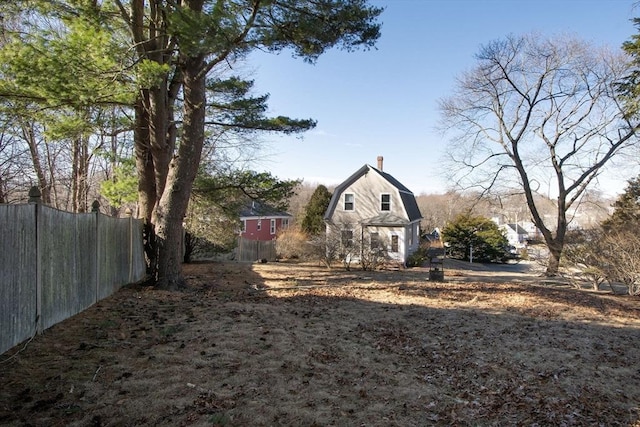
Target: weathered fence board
pixel 17 267
pixel 67 250
pixel 138 265
pixel 254 250
pixel 111 234
pixel 55 264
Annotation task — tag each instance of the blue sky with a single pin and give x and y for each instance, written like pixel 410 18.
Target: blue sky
pixel 385 101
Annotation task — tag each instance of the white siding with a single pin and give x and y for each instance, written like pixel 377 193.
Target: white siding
pixel 368 191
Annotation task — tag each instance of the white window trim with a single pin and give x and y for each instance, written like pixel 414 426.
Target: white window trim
pixel 389 202
pixel 411 235
pixel 272 226
pixel 374 240
pixel 353 202
pixel 391 244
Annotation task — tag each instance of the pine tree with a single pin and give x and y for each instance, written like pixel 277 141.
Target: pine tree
pixel 469 233
pixel 313 221
pixel 626 212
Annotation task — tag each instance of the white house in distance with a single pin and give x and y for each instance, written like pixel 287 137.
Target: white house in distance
pixel 516 235
pixel 374 208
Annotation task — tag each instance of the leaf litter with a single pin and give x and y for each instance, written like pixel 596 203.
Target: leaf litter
pixel 295 344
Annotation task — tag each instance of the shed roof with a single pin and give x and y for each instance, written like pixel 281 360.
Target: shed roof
pixel 256 209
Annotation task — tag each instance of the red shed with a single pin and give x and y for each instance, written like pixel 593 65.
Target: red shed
pixel 262 222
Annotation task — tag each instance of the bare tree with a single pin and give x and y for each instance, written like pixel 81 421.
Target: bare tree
pixel 541 115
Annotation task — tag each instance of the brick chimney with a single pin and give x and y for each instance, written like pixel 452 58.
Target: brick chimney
pixel 380 159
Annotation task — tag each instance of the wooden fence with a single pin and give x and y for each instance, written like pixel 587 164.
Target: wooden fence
pixel 255 250
pixel 55 264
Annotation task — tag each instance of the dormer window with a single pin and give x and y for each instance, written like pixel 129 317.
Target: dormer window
pixel 349 202
pixel 385 202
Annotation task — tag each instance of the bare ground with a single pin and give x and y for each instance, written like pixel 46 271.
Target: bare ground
pixel 299 345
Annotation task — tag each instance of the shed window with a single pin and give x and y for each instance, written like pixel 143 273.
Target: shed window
pixel 272 228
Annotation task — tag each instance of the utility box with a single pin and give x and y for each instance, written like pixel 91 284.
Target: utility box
pixel 436 264
pixel 436 275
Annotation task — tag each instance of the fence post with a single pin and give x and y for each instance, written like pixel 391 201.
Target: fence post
pixel 95 208
pixel 35 199
pixel 35 195
pixel 129 214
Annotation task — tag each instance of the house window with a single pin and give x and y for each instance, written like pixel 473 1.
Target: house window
pixel 385 202
pixel 349 202
pixel 375 240
pixel 394 243
pixel 285 223
pixel 272 227
pixel 347 238
pixel 259 227
pixel 243 225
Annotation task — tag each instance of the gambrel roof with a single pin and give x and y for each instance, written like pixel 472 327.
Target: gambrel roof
pixel 407 197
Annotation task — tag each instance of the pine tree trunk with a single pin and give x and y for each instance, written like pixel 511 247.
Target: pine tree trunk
pixel 172 208
pixel 45 188
pixel 147 196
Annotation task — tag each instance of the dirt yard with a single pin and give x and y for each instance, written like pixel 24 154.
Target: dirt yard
pixel 284 344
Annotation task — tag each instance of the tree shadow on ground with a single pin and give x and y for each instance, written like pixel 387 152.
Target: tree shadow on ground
pixel 231 350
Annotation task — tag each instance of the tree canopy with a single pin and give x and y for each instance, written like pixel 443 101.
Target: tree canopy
pixel 540 115
pixel 313 221
pixel 475 236
pixel 213 219
pixel 626 213
pixel 163 60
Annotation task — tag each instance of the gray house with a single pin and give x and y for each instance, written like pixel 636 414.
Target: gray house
pixel 374 208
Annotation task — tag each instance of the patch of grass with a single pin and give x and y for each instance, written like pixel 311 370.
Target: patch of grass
pixel 171 330
pixel 108 324
pixel 220 419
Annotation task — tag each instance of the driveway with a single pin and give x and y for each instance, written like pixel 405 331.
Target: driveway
pixel 520 272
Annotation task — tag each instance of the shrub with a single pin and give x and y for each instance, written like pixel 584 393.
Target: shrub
pixel 292 243
pixel 418 258
pixel 480 235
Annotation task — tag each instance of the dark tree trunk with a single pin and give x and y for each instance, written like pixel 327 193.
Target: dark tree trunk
pixel 147 196
pixel 3 197
pixel 173 204
pixel 189 243
pixel 43 185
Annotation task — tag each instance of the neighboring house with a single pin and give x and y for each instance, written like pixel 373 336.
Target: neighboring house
pixel 374 208
pixel 533 233
pixel 516 235
pixel 262 222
